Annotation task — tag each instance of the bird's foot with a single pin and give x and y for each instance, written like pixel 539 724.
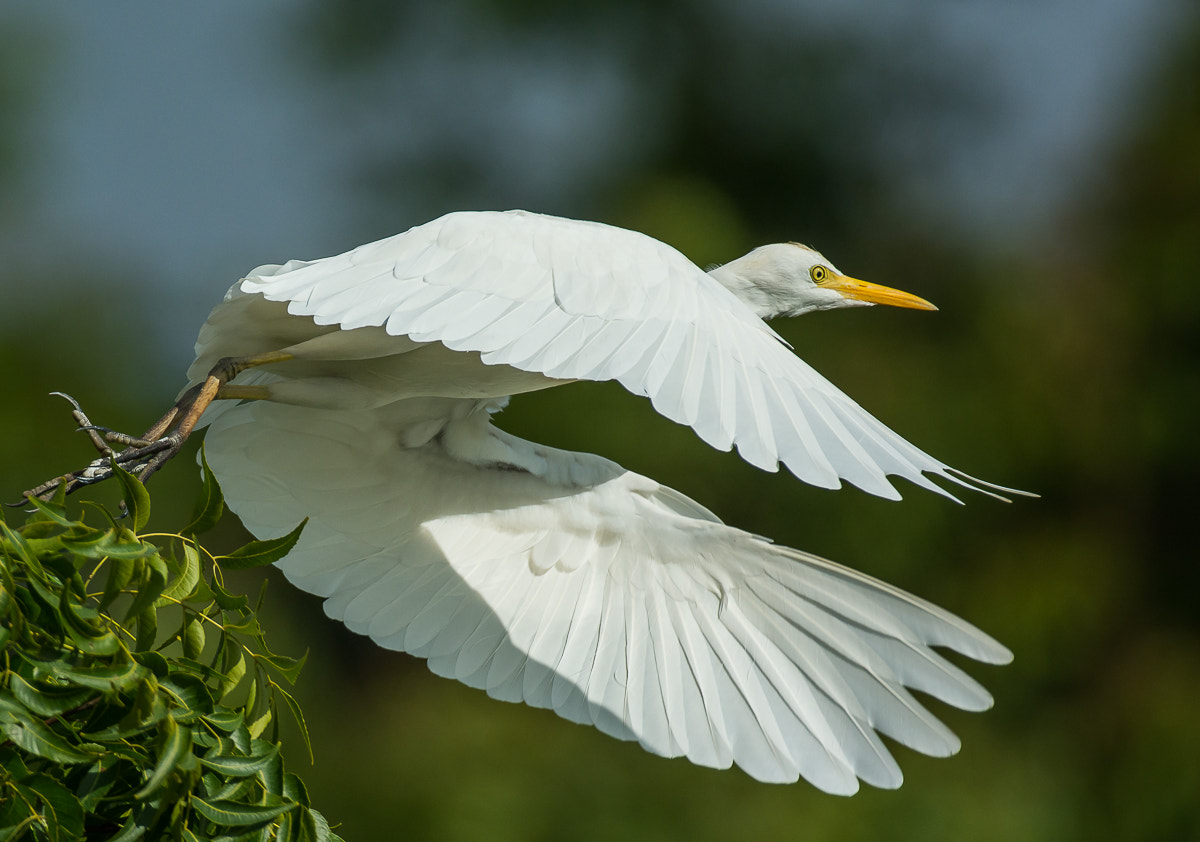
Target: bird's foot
pixel 143 455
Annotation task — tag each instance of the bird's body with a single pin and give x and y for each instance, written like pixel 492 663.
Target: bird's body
pixel 558 578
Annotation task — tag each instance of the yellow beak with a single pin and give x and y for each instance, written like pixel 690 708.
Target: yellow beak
pixel 874 293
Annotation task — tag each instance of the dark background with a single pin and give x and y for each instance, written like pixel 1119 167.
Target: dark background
pixel 1032 168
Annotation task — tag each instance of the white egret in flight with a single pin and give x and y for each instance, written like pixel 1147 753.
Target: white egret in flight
pixel 361 392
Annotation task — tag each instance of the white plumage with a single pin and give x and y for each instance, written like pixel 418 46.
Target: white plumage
pixel 558 578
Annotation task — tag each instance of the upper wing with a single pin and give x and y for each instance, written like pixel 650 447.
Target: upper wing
pixel 585 301
pixel 560 580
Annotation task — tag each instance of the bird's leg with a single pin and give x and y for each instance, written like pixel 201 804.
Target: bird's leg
pixel 145 454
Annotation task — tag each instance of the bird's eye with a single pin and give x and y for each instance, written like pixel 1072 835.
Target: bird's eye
pixel 818 274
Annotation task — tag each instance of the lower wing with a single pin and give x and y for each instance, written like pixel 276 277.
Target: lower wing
pixel 561 580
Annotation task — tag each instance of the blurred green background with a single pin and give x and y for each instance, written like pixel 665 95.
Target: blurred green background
pixel 1034 169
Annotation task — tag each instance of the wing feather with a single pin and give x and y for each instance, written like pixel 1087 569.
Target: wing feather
pixel 596 352
pixel 664 368
pixel 838 703
pixel 474 660
pixel 490 638
pixel 608 598
pixel 544 271
pixel 604 682
pixel 755 439
pixel 433 317
pixel 567 696
pixel 676 687
pixel 514 323
pixel 473 319
pixel 750 725
pixel 863 684
pixel 629 363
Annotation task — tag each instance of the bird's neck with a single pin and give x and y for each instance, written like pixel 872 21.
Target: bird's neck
pixel 741 280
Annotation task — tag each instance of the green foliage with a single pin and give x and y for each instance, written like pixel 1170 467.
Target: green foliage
pixel 139 699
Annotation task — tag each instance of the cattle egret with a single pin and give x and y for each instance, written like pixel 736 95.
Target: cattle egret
pixel 359 391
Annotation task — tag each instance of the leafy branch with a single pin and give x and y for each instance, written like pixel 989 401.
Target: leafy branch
pixel 138 696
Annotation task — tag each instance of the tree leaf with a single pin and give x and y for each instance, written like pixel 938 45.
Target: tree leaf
pixel 259 725
pixel 251 702
pixel 287 829
pixel 46 819
pixel 260 553
pixel 7 586
pixel 148 705
pixel 93 506
pixel 233 814
pixel 321 830
pixel 270 777
pixel 191 696
pixel 120 571
pixel 201 593
pixel 174 743
pixel 138 824
pixel 40 589
pixel 225 720
pixel 248 626
pixel 154 662
pixel 110 678
pixel 150 586
pixel 189 575
pixel 99 647
pixel 295 790
pixel 298 715
pixel 209 505
pixel 193 638
pixel 22 549
pixel 47 699
pixel 286 666
pixel 68 812
pixel 31 734
pixel 87 632
pixel 233 675
pixel 115 543
pixel 137 499
pixel 96 783
pixel 147 630
pixel 238 766
pixel 225 600
pixel 52 512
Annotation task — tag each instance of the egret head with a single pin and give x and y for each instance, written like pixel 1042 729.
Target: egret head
pixel 787 279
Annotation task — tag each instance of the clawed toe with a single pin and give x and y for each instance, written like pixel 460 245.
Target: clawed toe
pixel 116 437
pixel 145 454
pixel 141 455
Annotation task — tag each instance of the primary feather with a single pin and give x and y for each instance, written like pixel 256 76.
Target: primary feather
pixel 557 578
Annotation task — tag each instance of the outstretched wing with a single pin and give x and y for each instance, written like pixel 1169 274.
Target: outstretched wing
pixel 563 581
pixel 585 301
